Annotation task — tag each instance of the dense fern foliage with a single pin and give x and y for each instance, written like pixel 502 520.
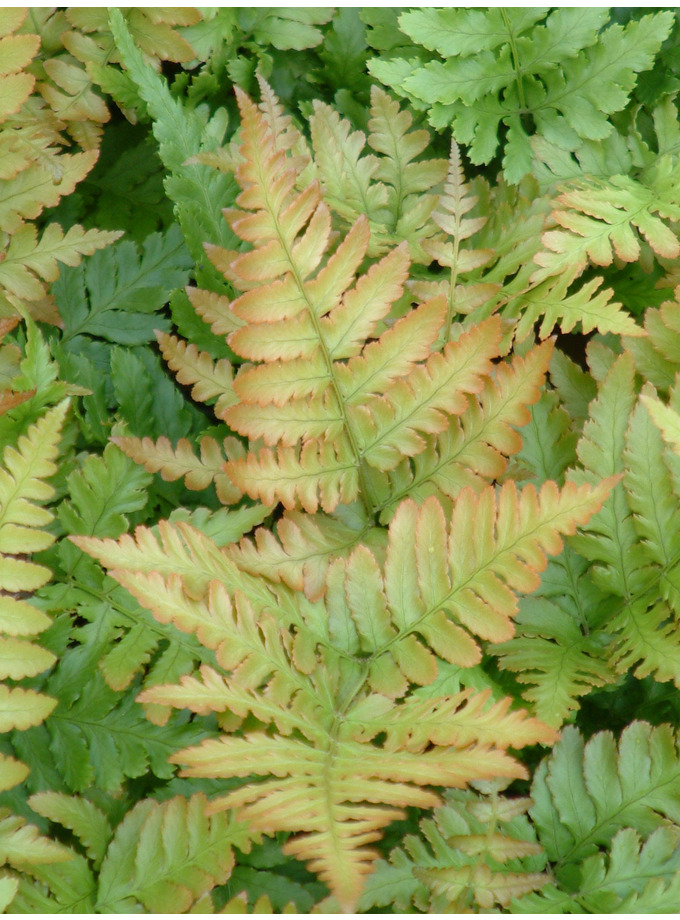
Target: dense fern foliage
pixel 339 460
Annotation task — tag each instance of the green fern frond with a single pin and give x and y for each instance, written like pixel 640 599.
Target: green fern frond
pixel 634 877
pixel 551 304
pixel 484 68
pixel 549 439
pixel 23 491
pixel 102 492
pixel 199 193
pixel 559 648
pixel 632 540
pixel 29 262
pixel 81 816
pixel 478 851
pixel 607 797
pixel 117 294
pixel 656 355
pixel 167 856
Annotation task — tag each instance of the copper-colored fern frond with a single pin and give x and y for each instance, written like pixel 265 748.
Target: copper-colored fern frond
pixel 335 390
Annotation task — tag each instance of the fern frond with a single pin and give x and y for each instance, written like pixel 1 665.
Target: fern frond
pixel 166 856
pixel 34 189
pixel 65 887
pixel 181 461
pixel 114 726
pixel 176 548
pixel 22 491
pixel 651 484
pixel 198 192
pixel 478 69
pixel 550 303
pixel 295 663
pixel 154 31
pixel 162 856
pixel 300 551
pixel 634 877
pixel 599 220
pixel 656 355
pixel 472 451
pixel 552 654
pixel 334 402
pixel 117 294
pixel 392 189
pixel 549 439
pixel 455 202
pixel 17 51
pixel 517 532
pixel 477 851
pixel 29 262
pixel 214 309
pixel 314 476
pixel 21 845
pixel 67 89
pixel 600 450
pixel 389 427
pixel 208 378
pixel 460 595
pixel 105 489
pixel 632 540
pixel 341 782
pixel 81 816
pixel 351 190
pixel 589 797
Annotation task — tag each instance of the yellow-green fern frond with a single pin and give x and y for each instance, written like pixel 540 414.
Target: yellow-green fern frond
pixel 23 491
pixel 345 745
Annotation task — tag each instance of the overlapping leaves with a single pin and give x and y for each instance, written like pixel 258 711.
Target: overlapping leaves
pixel 326 679
pixel 489 67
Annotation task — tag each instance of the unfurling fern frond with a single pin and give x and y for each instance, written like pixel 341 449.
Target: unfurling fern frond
pixel 22 491
pixel 344 745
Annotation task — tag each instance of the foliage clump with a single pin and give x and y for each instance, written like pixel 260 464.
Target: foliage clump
pixel 340 488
